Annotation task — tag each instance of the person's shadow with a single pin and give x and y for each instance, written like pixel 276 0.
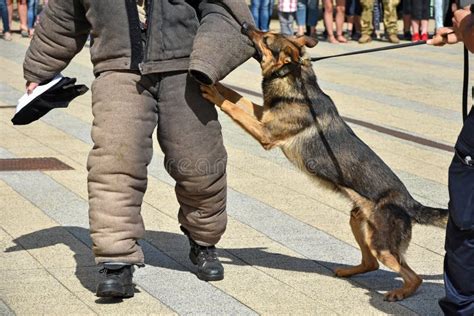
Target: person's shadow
pixel 78 240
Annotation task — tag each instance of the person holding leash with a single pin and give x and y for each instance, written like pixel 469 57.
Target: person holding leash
pixel 147 67
pixel 459 259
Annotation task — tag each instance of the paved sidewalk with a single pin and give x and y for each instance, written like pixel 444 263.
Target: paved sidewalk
pixel 285 234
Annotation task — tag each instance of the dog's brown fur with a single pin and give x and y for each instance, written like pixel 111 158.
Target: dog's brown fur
pixel 303 121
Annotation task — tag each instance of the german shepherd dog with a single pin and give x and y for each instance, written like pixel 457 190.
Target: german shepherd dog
pixel 303 121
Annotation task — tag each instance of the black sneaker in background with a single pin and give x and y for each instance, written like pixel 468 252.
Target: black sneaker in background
pixel 355 36
pixel 118 282
pixel 407 36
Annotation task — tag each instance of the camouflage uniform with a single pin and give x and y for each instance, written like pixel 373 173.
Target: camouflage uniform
pixel 389 16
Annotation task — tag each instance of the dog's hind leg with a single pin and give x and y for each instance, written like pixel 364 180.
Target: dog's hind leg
pixel 390 239
pixel 411 281
pixel 361 231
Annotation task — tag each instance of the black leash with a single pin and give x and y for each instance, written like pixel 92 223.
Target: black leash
pixel 465 84
pixel 379 49
pixel 372 50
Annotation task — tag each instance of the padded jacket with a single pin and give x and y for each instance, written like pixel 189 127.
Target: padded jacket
pixel 202 36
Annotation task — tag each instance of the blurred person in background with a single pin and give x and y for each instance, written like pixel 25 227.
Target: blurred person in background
pixel 328 20
pixel 287 15
pixel 420 13
pixel 22 14
pixel 32 15
pixel 353 12
pixel 377 17
pixel 301 9
pixel 261 12
pixel 406 11
pixel 6 34
pixel 270 12
pixel 440 9
pixel 312 15
pixel 389 20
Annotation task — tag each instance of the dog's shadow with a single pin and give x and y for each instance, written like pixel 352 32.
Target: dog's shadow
pixel 86 271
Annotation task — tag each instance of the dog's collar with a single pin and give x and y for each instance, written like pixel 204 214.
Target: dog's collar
pixel 287 69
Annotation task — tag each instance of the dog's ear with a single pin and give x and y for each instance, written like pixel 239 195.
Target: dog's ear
pixel 289 54
pixel 307 41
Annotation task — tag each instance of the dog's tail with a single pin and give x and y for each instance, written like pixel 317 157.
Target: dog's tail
pixel 426 215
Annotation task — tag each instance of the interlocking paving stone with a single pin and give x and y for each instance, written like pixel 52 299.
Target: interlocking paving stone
pixel 5 310
pixel 239 204
pixel 70 125
pixel 160 281
pixel 312 243
pixel 8 95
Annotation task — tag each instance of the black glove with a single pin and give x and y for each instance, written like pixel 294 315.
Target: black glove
pixel 58 96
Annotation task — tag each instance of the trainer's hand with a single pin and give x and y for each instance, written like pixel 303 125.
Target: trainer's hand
pixel 463 24
pixel 30 86
pixel 462 30
pixel 444 35
pixel 212 94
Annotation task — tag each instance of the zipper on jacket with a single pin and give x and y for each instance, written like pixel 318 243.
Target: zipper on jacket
pixel 148 34
pixel 136 46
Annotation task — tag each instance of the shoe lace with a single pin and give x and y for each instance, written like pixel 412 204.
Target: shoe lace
pixel 209 253
pixel 110 271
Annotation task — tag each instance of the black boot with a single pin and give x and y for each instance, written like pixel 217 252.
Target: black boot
pixel 117 283
pixel 209 268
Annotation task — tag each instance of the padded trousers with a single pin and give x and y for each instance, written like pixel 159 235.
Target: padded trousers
pixel 127 107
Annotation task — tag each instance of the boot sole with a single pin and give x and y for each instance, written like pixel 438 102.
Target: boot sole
pixel 109 291
pixel 205 277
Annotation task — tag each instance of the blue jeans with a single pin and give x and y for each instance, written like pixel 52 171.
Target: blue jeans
pixel 32 13
pixel 441 7
pixel 312 10
pixel 270 12
pixel 260 12
pixel 301 12
pixel 286 22
pixel 377 15
pixel 4 13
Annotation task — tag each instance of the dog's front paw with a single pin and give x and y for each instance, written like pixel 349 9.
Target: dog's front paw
pixel 396 295
pixel 341 272
pixel 211 94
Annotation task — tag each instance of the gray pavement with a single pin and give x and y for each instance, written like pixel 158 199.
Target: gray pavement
pixel 285 235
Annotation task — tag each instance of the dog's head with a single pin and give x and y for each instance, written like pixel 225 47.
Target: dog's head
pixel 274 51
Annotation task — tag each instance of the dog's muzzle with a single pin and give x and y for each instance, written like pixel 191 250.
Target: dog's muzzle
pixel 245 30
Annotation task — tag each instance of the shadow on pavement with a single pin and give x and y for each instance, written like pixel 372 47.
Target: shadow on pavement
pixel 78 240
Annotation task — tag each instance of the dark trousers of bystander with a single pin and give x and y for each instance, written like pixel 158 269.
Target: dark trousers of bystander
pixel 459 259
pixel 420 9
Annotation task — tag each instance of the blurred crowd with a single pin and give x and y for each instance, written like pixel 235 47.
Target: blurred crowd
pixel 27 12
pixel 357 20
pixel 343 20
